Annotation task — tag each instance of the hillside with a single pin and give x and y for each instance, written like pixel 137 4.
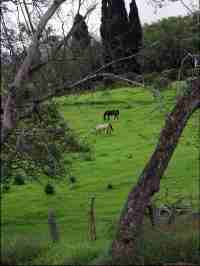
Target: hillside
pixel 115 159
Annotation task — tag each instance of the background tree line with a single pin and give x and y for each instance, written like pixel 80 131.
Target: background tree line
pixel 177 36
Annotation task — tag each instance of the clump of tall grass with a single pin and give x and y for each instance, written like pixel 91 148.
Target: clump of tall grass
pixel 49 189
pixel 167 247
pixel 21 251
pixel 159 246
pixel 82 254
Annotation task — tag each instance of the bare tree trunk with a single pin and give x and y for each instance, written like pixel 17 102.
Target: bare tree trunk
pixel 123 246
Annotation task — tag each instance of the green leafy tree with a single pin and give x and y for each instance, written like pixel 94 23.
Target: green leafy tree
pixel 177 36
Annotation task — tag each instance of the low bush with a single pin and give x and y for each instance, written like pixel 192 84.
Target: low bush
pixel 19 180
pixel 109 186
pixel 49 189
pixel 85 146
pixel 87 156
pixel 5 188
pixel 72 179
pixel 72 143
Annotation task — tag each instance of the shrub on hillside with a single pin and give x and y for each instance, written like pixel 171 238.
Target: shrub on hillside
pixel 74 145
pixel 71 142
pixel 109 186
pixel 87 156
pixel 49 189
pixel 84 146
pixel 72 179
pixel 5 188
pixel 19 180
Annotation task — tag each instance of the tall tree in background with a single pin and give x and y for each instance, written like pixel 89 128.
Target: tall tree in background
pixel 80 36
pixel 121 35
pixel 135 35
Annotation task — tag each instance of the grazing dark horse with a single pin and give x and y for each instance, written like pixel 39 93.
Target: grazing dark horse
pixel 111 113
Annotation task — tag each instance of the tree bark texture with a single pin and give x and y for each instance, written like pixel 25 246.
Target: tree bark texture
pixel 123 246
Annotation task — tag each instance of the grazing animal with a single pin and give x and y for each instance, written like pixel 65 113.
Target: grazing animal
pixel 106 128
pixel 111 113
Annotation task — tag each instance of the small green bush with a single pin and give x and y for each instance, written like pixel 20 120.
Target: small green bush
pixel 109 186
pixel 5 188
pixel 71 142
pixel 19 180
pixel 72 179
pixel 87 156
pixel 84 146
pixel 49 189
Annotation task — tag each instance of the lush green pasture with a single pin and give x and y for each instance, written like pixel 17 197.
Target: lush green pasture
pixel 116 159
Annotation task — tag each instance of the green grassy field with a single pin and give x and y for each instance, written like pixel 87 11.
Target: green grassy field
pixel 116 159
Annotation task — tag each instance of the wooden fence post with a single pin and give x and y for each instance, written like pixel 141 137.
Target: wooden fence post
pixel 53 228
pixel 92 220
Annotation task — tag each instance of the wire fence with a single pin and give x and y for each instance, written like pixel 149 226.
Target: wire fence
pixel 108 213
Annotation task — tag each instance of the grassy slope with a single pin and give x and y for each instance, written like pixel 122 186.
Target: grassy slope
pixel 25 209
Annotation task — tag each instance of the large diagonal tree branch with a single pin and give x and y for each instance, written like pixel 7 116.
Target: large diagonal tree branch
pixel 123 246
pixel 67 89
pixel 72 88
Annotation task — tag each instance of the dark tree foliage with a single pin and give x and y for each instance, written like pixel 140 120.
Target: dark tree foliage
pixel 135 36
pixel 177 36
pixel 39 146
pixel 121 34
pixel 80 37
pixel 135 32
